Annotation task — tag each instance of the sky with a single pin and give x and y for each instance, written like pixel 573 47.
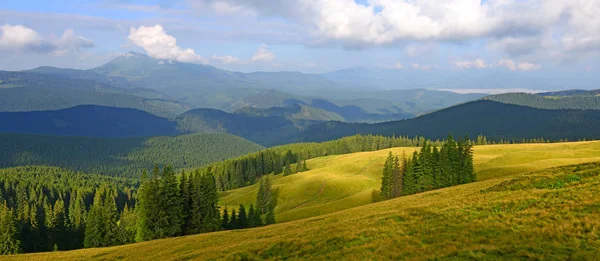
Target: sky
pixel 312 36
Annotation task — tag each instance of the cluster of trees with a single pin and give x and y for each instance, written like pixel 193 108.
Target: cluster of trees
pixel 48 208
pixel 266 201
pixel 289 159
pixel 124 157
pixel 483 140
pixel 428 169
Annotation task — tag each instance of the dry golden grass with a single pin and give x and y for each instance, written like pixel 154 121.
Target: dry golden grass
pixel 511 213
pixel 340 182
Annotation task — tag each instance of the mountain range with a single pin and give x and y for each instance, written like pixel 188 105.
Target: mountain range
pixel 167 89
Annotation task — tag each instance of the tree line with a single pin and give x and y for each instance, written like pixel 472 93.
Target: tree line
pixel 49 209
pixel 289 159
pixel 428 169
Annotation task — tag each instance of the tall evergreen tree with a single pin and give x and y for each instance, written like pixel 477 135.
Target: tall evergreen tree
pixel 9 244
pixel 242 217
pixel 225 220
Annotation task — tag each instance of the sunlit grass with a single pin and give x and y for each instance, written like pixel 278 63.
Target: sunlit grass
pixel 520 208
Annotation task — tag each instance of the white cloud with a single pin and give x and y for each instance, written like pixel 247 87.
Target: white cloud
pixel 513 66
pixel 417 66
pixel 468 64
pixel 398 65
pixel 21 38
pixel 263 54
pixel 528 66
pixel 509 64
pixel 227 59
pixel 17 36
pixel 159 45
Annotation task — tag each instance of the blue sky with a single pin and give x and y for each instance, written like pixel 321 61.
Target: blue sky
pixel 552 36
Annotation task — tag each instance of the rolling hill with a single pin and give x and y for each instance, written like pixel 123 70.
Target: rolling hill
pixel 493 119
pixel 88 120
pixel 120 156
pixel 575 99
pixel 340 182
pixel 548 201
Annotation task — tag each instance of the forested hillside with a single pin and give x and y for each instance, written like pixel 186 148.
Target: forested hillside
pixel 88 120
pixel 497 121
pixel 120 156
pixel 583 100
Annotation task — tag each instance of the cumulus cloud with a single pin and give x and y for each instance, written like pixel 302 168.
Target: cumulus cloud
pixel 21 38
pixel 263 54
pixel 227 59
pixel 159 45
pixel 513 66
pixel 519 28
pixel 398 65
pixel 468 64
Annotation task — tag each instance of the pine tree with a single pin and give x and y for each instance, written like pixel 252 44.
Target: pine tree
pixel 288 169
pixel 386 181
pixel 95 229
pixel 304 166
pixel 9 244
pixel 127 226
pixel 242 217
pixel 264 195
pixel 270 217
pixel 170 211
pixel 110 220
pixel 254 219
pixel 225 221
pixel 277 164
pixel 233 222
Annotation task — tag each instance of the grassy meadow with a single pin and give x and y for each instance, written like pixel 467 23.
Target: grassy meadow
pixel 340 182
pixel 529 203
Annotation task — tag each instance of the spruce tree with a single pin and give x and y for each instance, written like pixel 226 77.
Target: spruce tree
pixel 288 169
pixel 270 217
pixel 233 222
pixel 9 244
pixel 225 220
pixel 304 166
pixel 242 217
pixel 386 181
pixel 95 229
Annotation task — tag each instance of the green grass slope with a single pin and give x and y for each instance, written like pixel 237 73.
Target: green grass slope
pixel 549 214
pixel 345 181
pixel 120 156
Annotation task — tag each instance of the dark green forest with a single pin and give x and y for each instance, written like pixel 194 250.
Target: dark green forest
pixel 51 209
pixel 578 101
pixel 120 156
pixel 497 121
pixel 428 169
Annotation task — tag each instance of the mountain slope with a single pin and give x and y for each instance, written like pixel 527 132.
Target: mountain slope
pixel 555 212
pixel 579 100
pixel 120 156
pixel 492 119
pixel 27 91
pixel 340 182
pixel 88 120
